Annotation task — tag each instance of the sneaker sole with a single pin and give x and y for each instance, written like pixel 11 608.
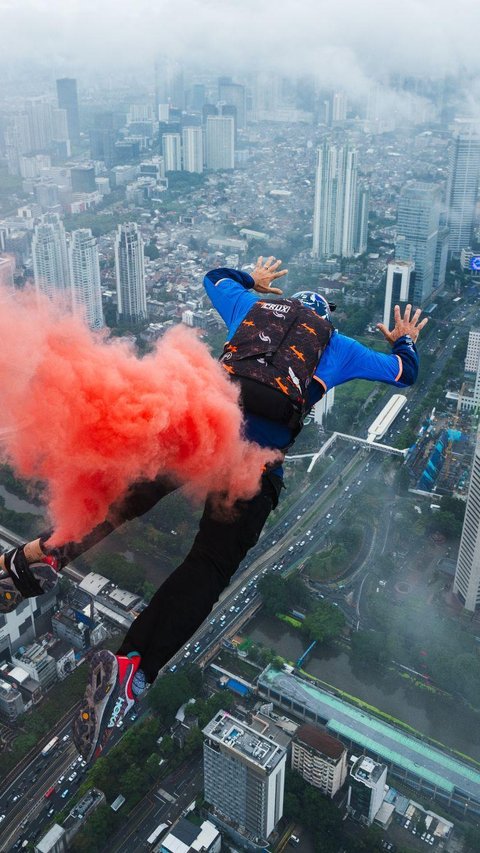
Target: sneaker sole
pixel 103 673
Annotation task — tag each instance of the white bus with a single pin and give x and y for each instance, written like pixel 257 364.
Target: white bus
pixel 153 838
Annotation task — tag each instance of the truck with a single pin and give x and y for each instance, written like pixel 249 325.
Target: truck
pixel 49 747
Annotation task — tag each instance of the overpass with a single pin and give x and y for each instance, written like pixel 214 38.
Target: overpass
pixel 353 439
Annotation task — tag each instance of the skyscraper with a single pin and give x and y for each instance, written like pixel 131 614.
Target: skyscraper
pixel 85 277
pixel 68 100
pixel 366 789
pixel 192 138
pixel 466 583
pixel 339 107
pixel 462 186
pixel 244 773
pixel 398 288
pixel 40 122
pixel 472 358
pixel 219 141
pixel 335 202
pixel 50 257
pixel 417 233
pixel 172 152
pixel 130 274
pixel 234 94
pixel 320 758
pixel 361 220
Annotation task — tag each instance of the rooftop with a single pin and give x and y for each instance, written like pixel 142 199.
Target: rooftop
pixel 317 739
pixel 244 740
pixel 393 745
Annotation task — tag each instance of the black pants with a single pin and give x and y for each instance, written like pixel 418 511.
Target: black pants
pixel 186 598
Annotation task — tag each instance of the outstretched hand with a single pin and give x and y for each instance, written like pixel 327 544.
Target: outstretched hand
pixel 264 273
pixel 403 325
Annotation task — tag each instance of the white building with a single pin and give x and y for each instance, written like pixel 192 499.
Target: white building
pixel 130 274
pixel 85 277
pixel 244 774
pixel 366 789
pixel 417 234
pixel 186 837
pixel 335 204
pixel 172 152
pixel 7 269
pixel 319 758
pixel 220 142
pixel 339 106
pixel 472 357
pixel 323 407
pixel 398 287
pixel 50 257
pixel 192 138
pixel 466 583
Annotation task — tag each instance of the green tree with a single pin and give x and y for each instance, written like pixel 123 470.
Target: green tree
pixel 325 623
pixel 369 647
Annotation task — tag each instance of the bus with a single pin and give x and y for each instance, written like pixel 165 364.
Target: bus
pixel 49 793
pixel 153 838
pixel 50 746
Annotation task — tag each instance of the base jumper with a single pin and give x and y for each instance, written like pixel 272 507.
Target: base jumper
pixel 285 354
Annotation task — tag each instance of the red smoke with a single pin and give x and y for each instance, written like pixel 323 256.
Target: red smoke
pixel 88 417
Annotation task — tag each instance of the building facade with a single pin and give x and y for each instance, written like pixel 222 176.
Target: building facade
pixel 85 277
pixel 130 274
pixel 462 186
pixel 220 143
pixel 466 583
pixel 366 788
pixel 244 774
pixel 398 288
pixel 68 100
pixel 192 139
pixel 50 258
pixel 335 205
pixel 417 234
pixel 172 152
pixel 319 758
pixel 472 357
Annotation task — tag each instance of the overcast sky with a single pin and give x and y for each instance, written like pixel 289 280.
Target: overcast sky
pixel 344 42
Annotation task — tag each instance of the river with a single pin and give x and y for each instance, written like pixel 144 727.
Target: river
pixel 438 717
pixel 19 505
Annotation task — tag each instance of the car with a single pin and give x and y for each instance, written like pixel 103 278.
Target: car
pixel 186 655
pixel 72 776
pixel 346 489
pixel 2 817
pixel 173 668
pixel 328 515
pixel 64 793
pixel 15 798
pixel 51 811
pixel 61 779
pixel 212 621
pixel 247 600
pixel 330 521
pixel 231 609
pixel 65 738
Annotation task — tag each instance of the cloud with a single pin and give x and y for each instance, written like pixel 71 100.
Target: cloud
pixel 342 42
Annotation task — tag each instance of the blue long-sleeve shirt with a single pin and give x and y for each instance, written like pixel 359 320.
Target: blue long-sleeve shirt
pixel 231 293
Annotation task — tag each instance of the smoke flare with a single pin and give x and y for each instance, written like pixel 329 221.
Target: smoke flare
pixel 88 417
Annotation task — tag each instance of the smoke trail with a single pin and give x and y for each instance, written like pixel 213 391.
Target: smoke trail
pixel 100 418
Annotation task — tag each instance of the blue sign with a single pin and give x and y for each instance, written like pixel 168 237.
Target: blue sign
pixel 475 263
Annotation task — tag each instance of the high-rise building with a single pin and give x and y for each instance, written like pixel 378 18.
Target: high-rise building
pixel 324 406
pixel 83 179
pixel 417 234
pixel 7 269
pixel 50 257
pixel 398 288
pixel 361 221
pixel 85 277
pixel 366 788
pixel 472 358
pixel 68 100
pixel 219 143
pixel 192 138
pixel 40 122
pixel 320 758
pixel 441 256
pixel 339 107
pixel 462 186
pixel 466 583
pixel 172 152
pixel 198 97
pixel 234 95
pixel 335 202
pixel 244 774
pixel 130 274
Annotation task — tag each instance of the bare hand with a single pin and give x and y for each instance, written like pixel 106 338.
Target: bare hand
pixel 266 272
pixel 403 325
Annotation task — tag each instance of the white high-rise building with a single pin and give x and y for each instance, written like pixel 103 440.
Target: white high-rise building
pixel 339 106
pixel 319 758
pixel 398 287
pixel 335 205
pixel 467 573
pixel 130 274
pixel 472 358
pixel 40 120
pixel 50 257
pixel 366 789
pixel 462 185
pixel 244 773
pixel 192 138
pixel 323 407
pixel 85 277
pixel 172 152
pixel 220 142
pixel 7 269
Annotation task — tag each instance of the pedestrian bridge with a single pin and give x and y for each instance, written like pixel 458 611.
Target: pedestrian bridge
pixel 353 439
